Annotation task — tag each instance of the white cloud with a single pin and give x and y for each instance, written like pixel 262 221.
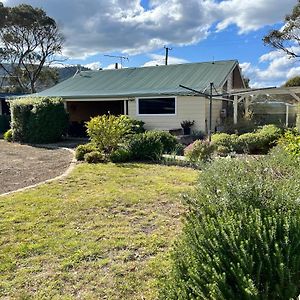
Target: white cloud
pixel 157 59
pixel 274 68
pixel 93 66
pixel 98 26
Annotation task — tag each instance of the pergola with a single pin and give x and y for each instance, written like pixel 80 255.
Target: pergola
pixel 250 95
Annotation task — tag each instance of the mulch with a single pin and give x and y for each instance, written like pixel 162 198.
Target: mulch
pixel 25 165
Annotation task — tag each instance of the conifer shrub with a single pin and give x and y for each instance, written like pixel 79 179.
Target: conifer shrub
pixel 120 155
pixel 199 151
pixel 145 147
pixel 81 150
pixel 38 120
pixel 241 234
pixel 169 141
pixel 94 157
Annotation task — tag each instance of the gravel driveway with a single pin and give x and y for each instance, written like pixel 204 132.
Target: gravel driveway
pixel 23 165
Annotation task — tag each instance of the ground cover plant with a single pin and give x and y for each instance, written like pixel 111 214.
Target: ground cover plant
pixel 102 233
pixel 241 235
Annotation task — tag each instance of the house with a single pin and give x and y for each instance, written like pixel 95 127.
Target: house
pixel 150 94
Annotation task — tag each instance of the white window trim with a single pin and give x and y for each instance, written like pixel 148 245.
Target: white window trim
pixel 137 100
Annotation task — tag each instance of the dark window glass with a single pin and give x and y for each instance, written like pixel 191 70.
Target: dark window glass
pixel 157 106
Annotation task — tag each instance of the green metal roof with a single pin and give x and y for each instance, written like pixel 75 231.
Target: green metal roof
pixel 145 81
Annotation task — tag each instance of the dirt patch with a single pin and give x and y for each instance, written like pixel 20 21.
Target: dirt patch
pixel 23 165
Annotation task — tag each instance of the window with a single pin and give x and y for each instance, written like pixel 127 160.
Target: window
pixel 156 106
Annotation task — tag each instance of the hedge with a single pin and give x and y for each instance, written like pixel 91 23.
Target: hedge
pixel 38 119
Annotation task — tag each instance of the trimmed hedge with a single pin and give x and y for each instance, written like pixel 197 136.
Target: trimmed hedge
pixel 38 120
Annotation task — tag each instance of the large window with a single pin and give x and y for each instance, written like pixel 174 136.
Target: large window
pixel 156 106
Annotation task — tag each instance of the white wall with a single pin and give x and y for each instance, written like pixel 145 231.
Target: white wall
pixel 188 108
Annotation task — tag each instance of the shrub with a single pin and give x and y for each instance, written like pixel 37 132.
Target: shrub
pixel 269 135
pixel 291 142
pixel 228 141
pixel 250 143
pixel 145 146
pixel 81 150
pixel 38 120
pixel 8 135
pixel 168 140
pixel 179 149
pixel 199 151
pixel 120 155
pixel 241 235
pixel 4 123
pixel 107 131
pixel 137 126
pixel 94 157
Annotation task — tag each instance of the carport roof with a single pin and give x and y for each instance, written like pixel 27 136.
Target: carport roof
pixel 144 81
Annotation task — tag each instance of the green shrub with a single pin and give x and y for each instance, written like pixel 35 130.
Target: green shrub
pixel 94 157
pixel 199 151
pixel 269 135
pixel 241 233
pixel 108 131
pixel 120 155
pixel 228 141
pixel 168 140
pixel 251 143
pixel 81 150
pixel 145 146
pixel 38 120
pixel 179 149
pixel 4 123
pixel 8 135
pixel 291 142
pixel 137 126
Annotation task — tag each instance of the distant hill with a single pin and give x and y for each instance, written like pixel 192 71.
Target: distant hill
pixel 63 74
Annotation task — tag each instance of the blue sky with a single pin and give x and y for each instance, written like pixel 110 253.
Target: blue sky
pixel 197 30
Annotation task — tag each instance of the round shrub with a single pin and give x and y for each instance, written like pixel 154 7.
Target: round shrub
pixel 223 150
pixel 229 141
pixel 145 146
pixel 81 150
pixel 199 151
pixel 168 140
pixel 179 149
pixel 251 142
pixel 8 135
pixel 94 157
pixel 120 155
pixel 269 135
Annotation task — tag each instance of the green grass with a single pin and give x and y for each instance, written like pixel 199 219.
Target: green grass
pixel 102 233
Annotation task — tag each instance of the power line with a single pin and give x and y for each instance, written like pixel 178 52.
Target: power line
pixel 119 57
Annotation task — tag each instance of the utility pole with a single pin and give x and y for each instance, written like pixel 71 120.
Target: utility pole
pixel 167 54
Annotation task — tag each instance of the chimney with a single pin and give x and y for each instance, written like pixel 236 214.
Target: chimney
pixel 116 65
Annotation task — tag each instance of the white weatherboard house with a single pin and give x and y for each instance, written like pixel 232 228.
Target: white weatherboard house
pixel 151 94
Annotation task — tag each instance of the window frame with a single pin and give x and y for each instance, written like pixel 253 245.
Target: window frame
pixel 137 100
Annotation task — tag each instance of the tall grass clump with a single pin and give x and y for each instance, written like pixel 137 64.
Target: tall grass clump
pixel 241 237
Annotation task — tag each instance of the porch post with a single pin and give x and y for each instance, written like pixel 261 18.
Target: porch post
pixel 286 115
pixel 235 109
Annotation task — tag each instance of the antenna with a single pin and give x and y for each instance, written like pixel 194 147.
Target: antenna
pixel 167 54
pixel 121 58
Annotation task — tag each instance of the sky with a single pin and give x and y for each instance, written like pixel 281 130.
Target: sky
pixel 196 30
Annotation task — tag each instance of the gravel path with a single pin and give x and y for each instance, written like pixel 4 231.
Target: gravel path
pixel 23 165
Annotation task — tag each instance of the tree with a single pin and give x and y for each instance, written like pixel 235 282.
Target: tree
pixel 287 37
pixel 295 81
pixel 29 40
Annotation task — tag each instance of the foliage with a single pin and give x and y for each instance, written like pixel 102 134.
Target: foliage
pixel 199 151
pixel 38 120
pixel 288 34
pixel 187 123
pixel 94 157
pixel 8 135
pixel 291 142
pixel 4 123
pixel 298 117
pixel 120 155
pixel 240 239
pixel 137 126
pixel 244 125
pixel 107 131
pixel 145 146
pixel 269 135
pixel 179 149
pixel 295 81
pixel 30 39
pixel 81 150
pixel 225 142
pixel 168 140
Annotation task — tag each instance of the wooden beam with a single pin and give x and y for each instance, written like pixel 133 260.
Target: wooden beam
pixel 295 96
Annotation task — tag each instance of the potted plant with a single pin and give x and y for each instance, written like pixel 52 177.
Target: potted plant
pixel 186 125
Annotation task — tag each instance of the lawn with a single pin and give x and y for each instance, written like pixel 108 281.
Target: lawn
pixel 102 233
